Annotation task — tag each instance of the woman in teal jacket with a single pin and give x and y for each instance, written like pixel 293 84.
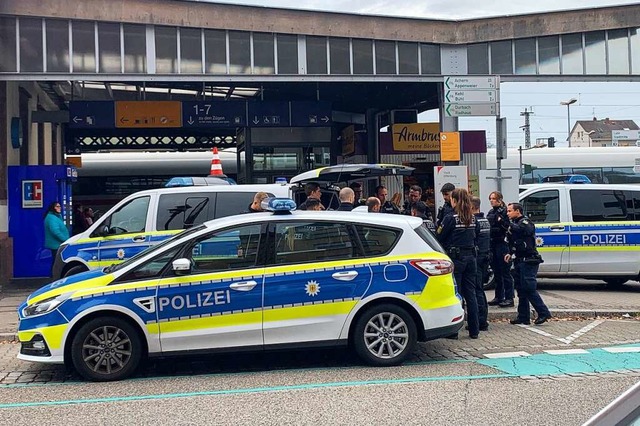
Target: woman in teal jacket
pixel 55 231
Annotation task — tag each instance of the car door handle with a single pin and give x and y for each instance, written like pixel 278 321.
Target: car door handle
pixel 139 238
pixel 243 285
pixel 345 276
pixel 556 228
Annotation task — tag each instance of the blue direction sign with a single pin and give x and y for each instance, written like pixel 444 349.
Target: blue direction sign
pixel 310 114
pixel 92 115
pixel 269 114
pixel 214 114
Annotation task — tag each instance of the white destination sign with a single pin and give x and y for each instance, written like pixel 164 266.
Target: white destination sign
pixel 469 96
pixel 463 110
pixel 472 83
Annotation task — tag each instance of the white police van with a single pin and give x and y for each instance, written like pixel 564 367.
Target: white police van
pixel 586 231
pixel 148 217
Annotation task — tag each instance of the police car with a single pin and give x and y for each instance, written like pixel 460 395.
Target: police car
pixel 255 281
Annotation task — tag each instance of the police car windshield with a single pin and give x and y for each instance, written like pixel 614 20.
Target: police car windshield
pixel 154 248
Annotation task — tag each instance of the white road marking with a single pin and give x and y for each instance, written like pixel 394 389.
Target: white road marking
pixel 566 351
pixel 570 338
pixel 617 350
pixel 507 354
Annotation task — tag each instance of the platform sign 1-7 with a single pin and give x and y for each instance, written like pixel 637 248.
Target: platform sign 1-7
pixel 214 114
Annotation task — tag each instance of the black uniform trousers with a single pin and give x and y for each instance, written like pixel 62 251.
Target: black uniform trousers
pixel 501 270
pixel 482 263
pixel 465 274
pixel 524 277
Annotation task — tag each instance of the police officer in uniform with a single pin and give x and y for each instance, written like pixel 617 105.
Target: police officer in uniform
pixel 420 209
pixel 446 207
pixel 482 261
pixel 521 236
pixel 457 234
pixel 499 221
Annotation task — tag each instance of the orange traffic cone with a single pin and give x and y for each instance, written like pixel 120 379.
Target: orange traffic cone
pixel 216 165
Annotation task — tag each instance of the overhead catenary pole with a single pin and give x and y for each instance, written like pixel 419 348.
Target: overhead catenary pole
pixel 527 128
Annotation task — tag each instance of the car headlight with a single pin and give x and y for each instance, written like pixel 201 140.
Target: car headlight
pixel 44 306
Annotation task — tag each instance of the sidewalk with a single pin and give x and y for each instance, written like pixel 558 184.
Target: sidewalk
pixel 566 299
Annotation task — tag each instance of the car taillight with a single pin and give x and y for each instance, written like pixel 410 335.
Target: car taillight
pixel 433 266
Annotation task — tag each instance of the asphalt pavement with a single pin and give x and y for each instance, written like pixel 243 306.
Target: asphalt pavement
pixel 567 299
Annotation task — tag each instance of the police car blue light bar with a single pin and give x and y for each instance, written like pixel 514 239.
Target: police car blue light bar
pixel 278 205
pixel 199 181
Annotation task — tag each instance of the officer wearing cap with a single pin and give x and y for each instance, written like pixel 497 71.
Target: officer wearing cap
pixel 457 234
pixel 521 236
pixel 446 207
pixel 482 261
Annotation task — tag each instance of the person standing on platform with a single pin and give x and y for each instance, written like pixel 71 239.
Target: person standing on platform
pixel 446 208
pixel 457 234
pixel 526 260
pixel 499 222
pixel 55 231
pixel 482 262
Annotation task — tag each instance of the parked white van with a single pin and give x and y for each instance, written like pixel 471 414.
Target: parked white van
pixel 586 231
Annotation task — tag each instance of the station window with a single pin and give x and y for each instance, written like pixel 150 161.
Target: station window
pixel 190 51
pixel 8 44
pixel 57 45
pixel 31 44
pixel 477 59
pixel 525 56
pixel 239 52
pixel 408 58
pixel 135 48
pixel 430 58
pixel 618 51
pixel 215 50
pixel 572 54
pixel 594 53
pixel 316 55
pixel 263 53
pixel 501 57
pixel 549 55
pixel 385 57
pixel 84 47
pixel 287 54
pixel 166 50
pixel 362 56
pixel 339 55
pixel 109 47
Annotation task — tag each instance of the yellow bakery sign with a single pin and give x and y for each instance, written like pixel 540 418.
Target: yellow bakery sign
pixel 424 137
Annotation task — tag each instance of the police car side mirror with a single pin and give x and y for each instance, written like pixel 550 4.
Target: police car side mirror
pixel 181 266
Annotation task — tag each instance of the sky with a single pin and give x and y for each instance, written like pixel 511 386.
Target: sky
pixel 614 100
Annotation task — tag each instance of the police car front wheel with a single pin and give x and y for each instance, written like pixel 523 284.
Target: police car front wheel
pixel 106 349
pixel 384 335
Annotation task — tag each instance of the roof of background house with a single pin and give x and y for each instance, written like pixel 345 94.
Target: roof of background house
pixel 602 128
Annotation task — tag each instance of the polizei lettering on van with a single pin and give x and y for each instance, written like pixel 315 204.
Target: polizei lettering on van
pixel 604 239
pixel 198 300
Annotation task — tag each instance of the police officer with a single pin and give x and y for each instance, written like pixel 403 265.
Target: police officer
pixel 482 261
pixel 386 206
pixel 457 234
pixel 499 221
pixel 521 236
pixel 420 209
pixel 415 192
pixel 446 207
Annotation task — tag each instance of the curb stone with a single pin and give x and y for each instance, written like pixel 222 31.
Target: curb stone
pixel 570 313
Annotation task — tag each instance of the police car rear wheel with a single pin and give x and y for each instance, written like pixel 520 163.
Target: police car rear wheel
pixel 105 349
pixel 385 335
